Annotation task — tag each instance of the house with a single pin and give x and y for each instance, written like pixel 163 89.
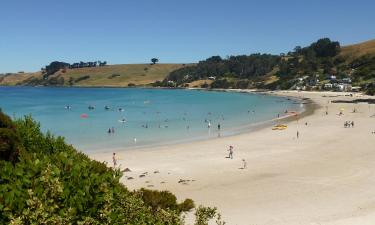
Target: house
pixel 343 87
pixel 356 89
pixel 328 86
pixel 332 77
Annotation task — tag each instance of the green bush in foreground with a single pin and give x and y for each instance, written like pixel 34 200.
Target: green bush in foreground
pixel 47 181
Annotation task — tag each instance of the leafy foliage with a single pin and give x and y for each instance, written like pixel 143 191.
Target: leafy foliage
pixel 204 214
pixel 164 199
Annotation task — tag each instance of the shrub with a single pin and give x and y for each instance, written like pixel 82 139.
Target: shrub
pixel 114 75
pixel 205 85
pixel 82 78
pixel 186 205
pixel 163 200
pixel 9 141
pixel 204 214
pixel 131 85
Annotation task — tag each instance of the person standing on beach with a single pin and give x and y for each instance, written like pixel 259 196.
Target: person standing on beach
pixel 218 126
pixel 230 152
pixel 114 160
pixel 297 134
pixel 244 166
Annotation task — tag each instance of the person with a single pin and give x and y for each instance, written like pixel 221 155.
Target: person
pixel 209 124
pixel 244 164
pixel 306 124
pixel 109 130
pixel 114 160
pixel 218 126
pixel 230 152
pixel 352 123
pixel 297 134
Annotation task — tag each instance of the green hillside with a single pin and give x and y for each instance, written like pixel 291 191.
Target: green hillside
pixel 303 68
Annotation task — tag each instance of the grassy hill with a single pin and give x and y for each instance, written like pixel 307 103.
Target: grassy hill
pixel 358 50
pixel 109 76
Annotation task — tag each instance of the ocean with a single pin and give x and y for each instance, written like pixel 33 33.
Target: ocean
pixel 140 117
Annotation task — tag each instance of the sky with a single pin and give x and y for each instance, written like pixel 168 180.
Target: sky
pixel 34 33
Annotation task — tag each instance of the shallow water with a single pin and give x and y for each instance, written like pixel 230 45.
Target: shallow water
pixel 153 116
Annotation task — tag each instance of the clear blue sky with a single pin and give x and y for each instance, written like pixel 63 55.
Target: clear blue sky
pixel 36 32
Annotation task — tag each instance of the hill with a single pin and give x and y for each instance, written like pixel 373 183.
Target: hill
pixel 358 50
pixel 324 64
pixel 109 76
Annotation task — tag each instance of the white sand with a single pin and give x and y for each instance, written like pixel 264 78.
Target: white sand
pixel 324 177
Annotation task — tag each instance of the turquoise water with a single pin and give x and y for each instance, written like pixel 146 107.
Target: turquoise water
pixel 152 116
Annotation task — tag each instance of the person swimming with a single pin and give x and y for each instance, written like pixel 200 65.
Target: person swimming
pixel 68 107
pixel 91 107
pixel 106 107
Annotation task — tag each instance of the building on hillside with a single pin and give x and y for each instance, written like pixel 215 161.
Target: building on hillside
pixel 328 86
pixel 212 78
pixel 356 89
pixel 343 87
pixel 347 80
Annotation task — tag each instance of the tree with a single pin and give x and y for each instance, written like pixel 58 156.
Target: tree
pixel 154 60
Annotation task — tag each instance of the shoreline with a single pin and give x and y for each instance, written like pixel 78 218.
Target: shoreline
pixel 308 108
pixel 323 177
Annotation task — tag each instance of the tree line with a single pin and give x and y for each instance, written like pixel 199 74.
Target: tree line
pixel 241 67
pixel 55 66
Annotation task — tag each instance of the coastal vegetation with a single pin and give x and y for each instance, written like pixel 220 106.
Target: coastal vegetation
pixel 43 180
pixel 311 66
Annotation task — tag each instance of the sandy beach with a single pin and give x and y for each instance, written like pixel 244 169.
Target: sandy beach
pixel 326 176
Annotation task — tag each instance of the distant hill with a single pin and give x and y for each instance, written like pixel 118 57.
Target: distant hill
pixel 109 76
pixel 310 67
pixel 358 50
